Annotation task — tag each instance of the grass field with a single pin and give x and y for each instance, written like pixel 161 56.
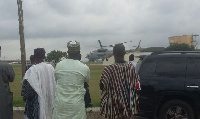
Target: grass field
pixel 95 93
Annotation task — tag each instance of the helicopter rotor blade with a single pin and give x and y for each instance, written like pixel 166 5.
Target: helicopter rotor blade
pixel 100 43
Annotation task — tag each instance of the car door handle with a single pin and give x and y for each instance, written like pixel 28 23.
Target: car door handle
pixel 192 86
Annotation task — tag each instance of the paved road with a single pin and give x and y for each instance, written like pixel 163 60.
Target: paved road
pixel 92 113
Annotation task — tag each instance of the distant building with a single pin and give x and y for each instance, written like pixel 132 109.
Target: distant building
pixel 187 39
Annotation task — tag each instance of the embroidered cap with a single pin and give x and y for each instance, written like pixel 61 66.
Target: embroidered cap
pixel 73 47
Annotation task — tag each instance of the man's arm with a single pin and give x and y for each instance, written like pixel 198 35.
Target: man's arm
pixel 101 85
pixel 87 76
pixel 103 79
pixel 27 91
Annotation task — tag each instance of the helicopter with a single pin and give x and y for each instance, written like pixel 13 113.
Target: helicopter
pixel 101 53
pixel 137 48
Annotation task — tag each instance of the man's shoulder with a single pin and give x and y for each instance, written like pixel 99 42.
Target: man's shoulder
pixel 119 65
pixel 109 66
pixel 49 65
pixel 5 64
pixel 134 64
pixel 74 62
pixel 83 65
pixel 65 61
pixel 43 64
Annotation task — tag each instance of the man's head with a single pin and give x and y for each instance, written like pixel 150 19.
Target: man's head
pixel 74 50
pixel 119 52
pixel 131 57
pixel 32 59
pixel 39 54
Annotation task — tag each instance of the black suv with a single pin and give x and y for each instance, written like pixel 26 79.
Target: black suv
pixel 170 85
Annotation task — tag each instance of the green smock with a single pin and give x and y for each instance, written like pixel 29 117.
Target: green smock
pixel 69 102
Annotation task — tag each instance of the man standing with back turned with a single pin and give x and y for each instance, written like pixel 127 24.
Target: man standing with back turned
pixel 70 75
pixel 119 83
pixel 38 88
pixel 6 75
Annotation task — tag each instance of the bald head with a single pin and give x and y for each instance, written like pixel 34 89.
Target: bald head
pixel 119 50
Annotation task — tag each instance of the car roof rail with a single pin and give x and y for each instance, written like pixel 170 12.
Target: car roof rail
pixel 181 52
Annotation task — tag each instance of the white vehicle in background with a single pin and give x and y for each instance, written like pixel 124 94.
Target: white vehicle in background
pixel 14 63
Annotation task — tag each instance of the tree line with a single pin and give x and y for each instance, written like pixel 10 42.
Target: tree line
pixel 57 55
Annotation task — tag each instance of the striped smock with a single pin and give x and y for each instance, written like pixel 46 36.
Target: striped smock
pixel 119 94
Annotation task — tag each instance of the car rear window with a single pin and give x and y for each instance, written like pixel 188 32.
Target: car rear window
pixel 164 66
pixel 171 66
pixel 193 68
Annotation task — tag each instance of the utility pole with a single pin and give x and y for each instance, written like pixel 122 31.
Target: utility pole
pixel 0 51
pixel 21 33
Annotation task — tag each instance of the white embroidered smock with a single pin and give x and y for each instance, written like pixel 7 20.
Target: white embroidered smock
pixel 41 78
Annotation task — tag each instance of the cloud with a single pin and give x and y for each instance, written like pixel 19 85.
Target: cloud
pixel 52 23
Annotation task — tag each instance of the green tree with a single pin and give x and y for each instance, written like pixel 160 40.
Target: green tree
pixel 179 47
pixel 55 56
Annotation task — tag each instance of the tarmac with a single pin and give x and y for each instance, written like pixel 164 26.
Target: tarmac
pixel 92 113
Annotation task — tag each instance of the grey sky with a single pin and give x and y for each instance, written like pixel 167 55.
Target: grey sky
pixel 52 23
